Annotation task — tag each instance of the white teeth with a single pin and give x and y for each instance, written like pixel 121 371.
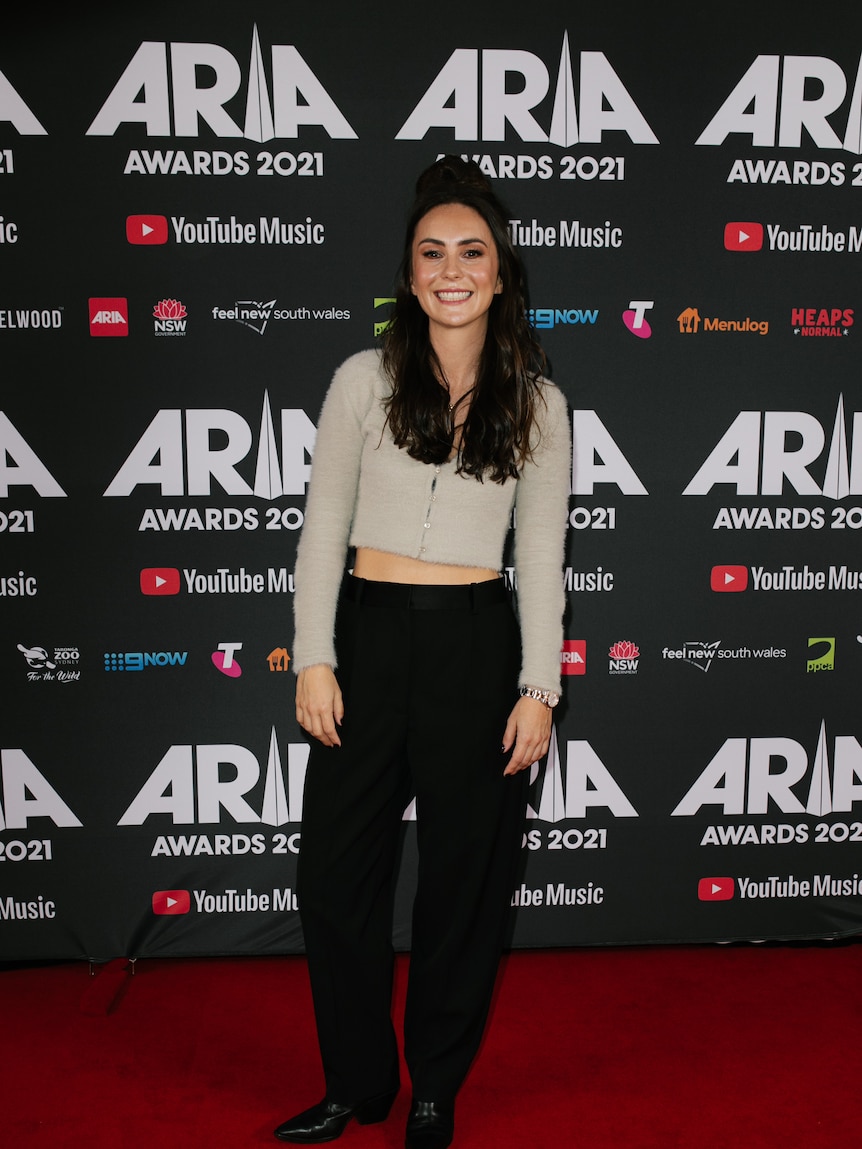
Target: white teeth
pixel 453 296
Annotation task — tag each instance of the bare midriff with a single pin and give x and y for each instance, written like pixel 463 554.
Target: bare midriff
pixel 381 566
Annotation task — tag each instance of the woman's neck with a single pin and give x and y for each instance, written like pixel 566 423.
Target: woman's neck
pixel 458 353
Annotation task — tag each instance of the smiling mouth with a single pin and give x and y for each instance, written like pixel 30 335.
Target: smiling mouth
pixel 453 296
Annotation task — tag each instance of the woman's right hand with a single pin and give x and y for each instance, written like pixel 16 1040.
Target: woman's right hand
pixel 319 705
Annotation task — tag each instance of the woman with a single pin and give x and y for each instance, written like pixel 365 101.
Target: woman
pixel 421 456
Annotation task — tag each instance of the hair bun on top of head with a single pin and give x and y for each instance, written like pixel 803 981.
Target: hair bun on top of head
pixel 452 171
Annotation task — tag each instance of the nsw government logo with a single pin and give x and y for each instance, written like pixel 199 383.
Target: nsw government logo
pixel 623 658
pixel 170 317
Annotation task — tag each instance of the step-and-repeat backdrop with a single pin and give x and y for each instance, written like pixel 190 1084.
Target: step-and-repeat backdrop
pixel 201 211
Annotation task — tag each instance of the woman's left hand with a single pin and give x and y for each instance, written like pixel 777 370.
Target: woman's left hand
pixel 529 731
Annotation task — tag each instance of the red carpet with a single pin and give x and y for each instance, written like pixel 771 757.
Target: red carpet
pixel 697 1047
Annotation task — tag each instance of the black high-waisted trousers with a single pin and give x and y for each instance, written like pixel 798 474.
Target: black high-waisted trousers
pixel 429 676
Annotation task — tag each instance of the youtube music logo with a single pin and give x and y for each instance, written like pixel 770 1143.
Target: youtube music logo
pixel 147 229
pixel 728 579
pixel 160 580
pixel 171 902
pixel 715 889
pixel 743 236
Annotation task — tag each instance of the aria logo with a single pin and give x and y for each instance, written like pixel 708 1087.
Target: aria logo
pixel 27 794
pixel 573 656
pixel 512 83
pixel 109 316
pixel 569 791
pixel 298 97
pixel 20 466
pixel 15 111
pixel 760 449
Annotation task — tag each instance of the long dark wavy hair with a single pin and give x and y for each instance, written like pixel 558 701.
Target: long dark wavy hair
pixel 497 434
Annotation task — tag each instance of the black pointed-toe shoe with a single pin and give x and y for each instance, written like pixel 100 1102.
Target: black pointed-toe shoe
pixel 327 1120
pixel 431 1125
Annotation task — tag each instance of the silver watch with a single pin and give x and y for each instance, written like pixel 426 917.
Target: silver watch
pixel 549 697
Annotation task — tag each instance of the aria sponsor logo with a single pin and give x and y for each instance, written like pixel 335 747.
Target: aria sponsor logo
pixel 754 775
pixel 275 580
pixel 223 659
pixel 192 784
pixel 513 82
pixel 703 654
pixel 256 315
pixel 170 317
pixel 298 97
pixel 109 316
pixel 743 236
pixel 61 666
pixel 139 660
pixel 380 325
pixel 31 318
pixel 277 659
pixel 215 230
pixel 623 658
pixel 573 656
pixel 789 578
pixel 568 233
pixel 635 320
pixel 689 322
pixel 178 902
pixel 811 89
pixel 27 794
pixel 821 321
pixel 820 240
pixel 545 318
pixel 147 230
pixel 823 657
pixel 558 894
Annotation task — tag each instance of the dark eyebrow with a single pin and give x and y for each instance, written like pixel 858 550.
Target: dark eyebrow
pixel 460 242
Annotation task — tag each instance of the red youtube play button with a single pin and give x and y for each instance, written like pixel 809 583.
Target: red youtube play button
pixel 147 229
pixel 724 579
pixel 715 889
pixel 743 236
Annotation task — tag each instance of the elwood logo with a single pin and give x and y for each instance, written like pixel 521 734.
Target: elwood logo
pixel 635 317
pixel 512 83
pixel 824 657
pixel 109 315
pixel 716 889
pixel 821 321
pixel 172 902
pixel 728 579
pixel 147 230
pixel 743 236
pixel 297 96
pixel 20 466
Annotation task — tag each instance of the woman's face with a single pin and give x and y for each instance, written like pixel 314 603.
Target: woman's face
pixel 455 268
